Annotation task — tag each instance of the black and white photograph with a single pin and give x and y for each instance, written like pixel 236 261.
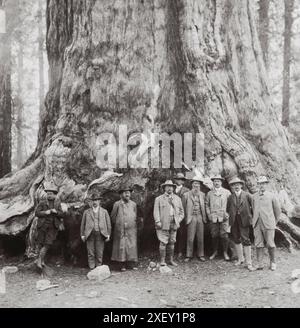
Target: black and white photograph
pixel 149 156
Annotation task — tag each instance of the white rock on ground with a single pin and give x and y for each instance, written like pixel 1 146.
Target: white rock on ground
pixel 100 273
pixel 165 270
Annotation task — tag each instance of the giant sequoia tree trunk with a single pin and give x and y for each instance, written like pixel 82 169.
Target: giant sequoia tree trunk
pixel 157 65
pixel 5 94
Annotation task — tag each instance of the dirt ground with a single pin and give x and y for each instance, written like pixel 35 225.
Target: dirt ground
pixel 210 284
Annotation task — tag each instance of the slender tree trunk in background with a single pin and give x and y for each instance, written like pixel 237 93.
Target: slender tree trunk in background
pixel 288 22
pixel 19 109
pixel 158 65
pixel 263 30
pixel 5 95
pixel 41 56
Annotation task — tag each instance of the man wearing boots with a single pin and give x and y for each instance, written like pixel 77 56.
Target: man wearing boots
pixel 239 208
pixel 216 204
pixel 95 230
pixel 180 191
pixel 266 213
pixel 168 213
pixel 50 221
pixel 195 218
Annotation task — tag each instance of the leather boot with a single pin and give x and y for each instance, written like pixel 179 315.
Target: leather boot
pixel 239 252
pixel 171 255
pixel 162 253
pixel 248 258
pixel 225 248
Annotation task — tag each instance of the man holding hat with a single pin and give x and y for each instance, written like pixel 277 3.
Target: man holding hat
pixel 216 204
pixel 266 213
pixel 124 220
pixel 180 191
pixel 195 218
pixel 239 208
pixel 50 221
pixel 95 230
pixel 168 213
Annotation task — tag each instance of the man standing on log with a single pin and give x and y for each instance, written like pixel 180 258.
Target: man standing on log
pixel 50 221
pixel 195 218
pixel 216 204
pixel 168 213
pixel 95 231
pixel 266 213
pixel 181 232
pixel 124 220
pixel 239 208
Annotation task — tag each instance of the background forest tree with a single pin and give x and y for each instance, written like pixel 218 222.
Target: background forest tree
pixel 155 66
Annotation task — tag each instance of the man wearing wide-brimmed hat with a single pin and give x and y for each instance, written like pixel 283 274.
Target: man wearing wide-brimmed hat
pixel 50 220
pixel 239 208
pixel 195 218
pixel 216 204
pixel 95 230
pixel 124 220
pixel 180 191
pixel 168 213
pixel 266 213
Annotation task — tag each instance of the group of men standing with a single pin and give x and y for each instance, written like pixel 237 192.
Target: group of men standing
pixel 179 213
pixel 229 214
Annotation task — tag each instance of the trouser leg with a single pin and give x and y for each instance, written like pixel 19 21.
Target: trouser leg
pixel 90 245
pixel 99 247
pixel 162 253
pixel 182 239
pixel 170 248
pixel 215 232
pixel 225 242
pixel 191 232
pixel 200 237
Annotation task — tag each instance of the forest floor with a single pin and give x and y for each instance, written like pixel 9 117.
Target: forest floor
pixel 210 284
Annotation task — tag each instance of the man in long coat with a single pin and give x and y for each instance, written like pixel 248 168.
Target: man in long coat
pixel 180 191
pixel 168 213
pixel 266 213
pixel 239 208
pixel 124 220
pixel 216 204
pixel 195 218
pixel 50 220
pixel 95 231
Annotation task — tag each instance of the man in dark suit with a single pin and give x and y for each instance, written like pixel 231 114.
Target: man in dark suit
pixel 95 231
pixel 50 221
pixel 180 190
pixel 239 208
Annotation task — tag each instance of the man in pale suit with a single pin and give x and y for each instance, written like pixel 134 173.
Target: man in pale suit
pixel 168 213
pixel 266 213
pixel 195 218
pixel 95 231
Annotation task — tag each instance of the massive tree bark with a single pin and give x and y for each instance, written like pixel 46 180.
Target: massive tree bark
pixel 159 65
pixel 288 22
pixel 41 40
pixel 263 30
pixel 5 94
